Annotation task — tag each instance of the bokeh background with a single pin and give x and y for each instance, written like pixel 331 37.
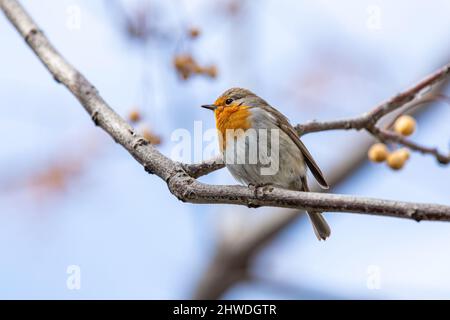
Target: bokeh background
pixel 70 196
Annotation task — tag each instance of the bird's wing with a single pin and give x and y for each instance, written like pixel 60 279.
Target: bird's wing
pixel 283 124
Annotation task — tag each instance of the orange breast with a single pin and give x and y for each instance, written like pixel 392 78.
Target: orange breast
pixel 233 117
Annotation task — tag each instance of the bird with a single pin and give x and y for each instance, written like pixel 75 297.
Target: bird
pixel 238 111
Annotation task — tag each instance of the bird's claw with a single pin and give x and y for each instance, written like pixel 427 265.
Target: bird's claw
pixel 256 187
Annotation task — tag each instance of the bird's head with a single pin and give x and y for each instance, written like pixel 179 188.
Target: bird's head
pixel 233 109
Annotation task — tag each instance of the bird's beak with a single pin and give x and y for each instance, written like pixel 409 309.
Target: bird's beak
pixel 210 107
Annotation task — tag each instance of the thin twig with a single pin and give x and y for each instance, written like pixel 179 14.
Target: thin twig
pixel 368 121
pixel 415 105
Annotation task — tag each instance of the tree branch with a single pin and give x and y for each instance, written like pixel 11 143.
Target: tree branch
pixel 197 170
pixel 369 120
pixel 180 183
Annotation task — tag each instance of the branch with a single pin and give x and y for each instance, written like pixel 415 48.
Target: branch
pixel 369 120
pixel 204 168
pixel 180 183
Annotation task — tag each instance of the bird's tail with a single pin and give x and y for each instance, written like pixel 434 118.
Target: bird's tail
pixel 320 225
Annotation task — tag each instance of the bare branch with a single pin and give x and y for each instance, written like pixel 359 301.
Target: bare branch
pixel 185 187
pixel 368 121
pixel 204 168
pixel 390 136
pixel 190 190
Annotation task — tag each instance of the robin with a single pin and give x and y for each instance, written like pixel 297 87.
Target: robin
pixel 240 110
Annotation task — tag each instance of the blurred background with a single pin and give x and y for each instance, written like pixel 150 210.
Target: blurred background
pixel 75 204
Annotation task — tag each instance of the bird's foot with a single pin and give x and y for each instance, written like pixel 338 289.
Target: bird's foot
pixel 257 188
pixel 268 186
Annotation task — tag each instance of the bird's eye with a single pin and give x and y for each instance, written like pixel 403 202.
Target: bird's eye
pixel 228 101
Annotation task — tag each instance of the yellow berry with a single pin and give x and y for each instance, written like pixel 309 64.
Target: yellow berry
pixel 194 32
pixel 404 152
pixel 405 125
pixel 378 152
pixel 134 115
pixel 150 136
pixel 396 160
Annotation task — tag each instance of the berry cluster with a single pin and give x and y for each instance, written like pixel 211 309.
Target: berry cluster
pixel 186 66
pixel 379 152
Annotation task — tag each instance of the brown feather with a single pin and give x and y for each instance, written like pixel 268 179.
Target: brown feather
pixel 284 125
